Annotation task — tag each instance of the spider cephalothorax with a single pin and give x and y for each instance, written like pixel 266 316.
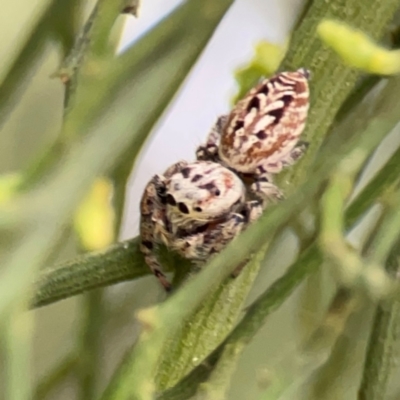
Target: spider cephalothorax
pixel 195 209
pixel 261 134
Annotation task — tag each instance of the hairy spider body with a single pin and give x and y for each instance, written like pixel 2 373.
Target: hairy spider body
pixel 194 209
pixel 261 135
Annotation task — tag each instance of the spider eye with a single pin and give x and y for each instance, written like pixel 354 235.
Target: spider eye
pixel 183 208
pixel 217 192
pixel 198 209
pixel 171 200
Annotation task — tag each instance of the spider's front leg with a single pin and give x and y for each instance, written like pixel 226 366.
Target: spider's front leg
pixel 297 152
pixel 263 186
pixel 264 189
pixel 252 210
pixel 152 215
pixel 209 151
pixel 153 221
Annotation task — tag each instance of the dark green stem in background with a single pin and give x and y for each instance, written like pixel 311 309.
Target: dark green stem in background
pixel 332 81
pixel 383 342
pixel 23 68
pixel 90 351
pixel 58 374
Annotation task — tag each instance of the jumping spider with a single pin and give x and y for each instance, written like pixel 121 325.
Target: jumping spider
pixel 261 135
pixel 195 209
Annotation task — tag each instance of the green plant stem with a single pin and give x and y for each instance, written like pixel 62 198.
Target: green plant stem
pixel 360 91
pixel 118 263
pixel 18 332
pixel 332 81
pixel 347 262
pixel 90 345
pixel 388 233
pixel 334 379
pixel 382 182
pixel 24 65
pixel 70 66
pixel 317 349
pixel 69 73
pixel 56 376
pixel 254 319
pixel 219 380
pixel 194 340
pixel 383 341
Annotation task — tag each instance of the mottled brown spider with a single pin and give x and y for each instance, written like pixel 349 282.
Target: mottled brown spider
pixel 195 209
pixel 261 134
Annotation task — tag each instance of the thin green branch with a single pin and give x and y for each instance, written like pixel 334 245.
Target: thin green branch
pixel 335 379
pixel 54 378
pixel 383 342
pixel 90 351
pixel 118 263
pixel 384 180
pixel 218 383
pixel 70 66
pixel 254 319
pixel 389 231
pixel 317 349
pixel 69 74
pixel 347 262
pixel 24 65
pixel 18 335
pixel 194 340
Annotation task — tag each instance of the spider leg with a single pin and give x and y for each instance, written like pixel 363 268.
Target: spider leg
pixel 252 211
pixel 174 168
pixel 265 190
pixel 153 229
pixel 263 186
pixel 297 152
pixel 209 150
pixel 152 214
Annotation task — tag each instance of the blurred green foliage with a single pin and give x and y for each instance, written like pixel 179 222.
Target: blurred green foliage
pixel 265 62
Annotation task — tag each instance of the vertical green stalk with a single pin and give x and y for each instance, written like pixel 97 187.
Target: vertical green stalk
pixel 56 376
pixel 89 350
pixel 383 342
pixel 18 332
pixel 332 81
pixel 206 328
